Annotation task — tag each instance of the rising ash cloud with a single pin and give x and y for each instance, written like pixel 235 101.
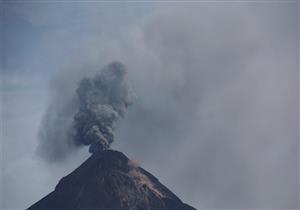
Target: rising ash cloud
pixel 101 101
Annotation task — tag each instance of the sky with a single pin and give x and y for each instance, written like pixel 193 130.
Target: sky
pixel 215 115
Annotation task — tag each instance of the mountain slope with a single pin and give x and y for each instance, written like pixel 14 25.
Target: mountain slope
pixel 110 181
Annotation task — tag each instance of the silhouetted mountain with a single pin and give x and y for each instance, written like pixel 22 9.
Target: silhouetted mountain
pixel 110 181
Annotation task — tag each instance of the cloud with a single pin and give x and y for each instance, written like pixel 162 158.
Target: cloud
pixel 217 115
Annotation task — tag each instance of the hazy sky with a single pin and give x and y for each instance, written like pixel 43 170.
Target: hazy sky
pixel 216 111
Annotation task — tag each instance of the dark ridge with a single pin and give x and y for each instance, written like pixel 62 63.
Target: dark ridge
pixel 110 181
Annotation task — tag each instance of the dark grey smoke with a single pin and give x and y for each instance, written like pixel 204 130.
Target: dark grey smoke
pixel 103 99
pixel 86 118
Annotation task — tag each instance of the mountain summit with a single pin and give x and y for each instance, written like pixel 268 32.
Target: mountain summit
pixel 110 181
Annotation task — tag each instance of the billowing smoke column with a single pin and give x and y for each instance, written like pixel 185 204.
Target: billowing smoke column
pixel 103 100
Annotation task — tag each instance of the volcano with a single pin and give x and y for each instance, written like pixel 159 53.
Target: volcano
pixel 110 181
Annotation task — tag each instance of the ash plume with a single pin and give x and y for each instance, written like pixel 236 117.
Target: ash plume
pixel 103 99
